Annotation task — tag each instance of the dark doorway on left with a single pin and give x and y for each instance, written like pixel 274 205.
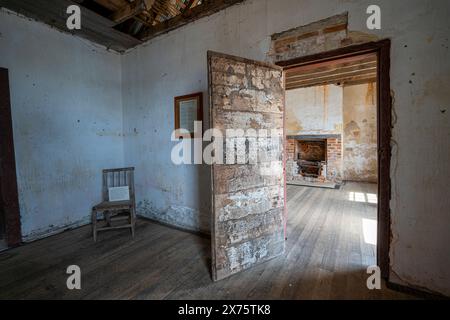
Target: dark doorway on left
pixel 10 233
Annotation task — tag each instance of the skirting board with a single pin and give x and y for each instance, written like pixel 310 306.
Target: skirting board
pixel 327 185
pixel 202 234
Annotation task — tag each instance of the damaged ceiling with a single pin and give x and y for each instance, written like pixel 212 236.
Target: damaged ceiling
pixel 119 24
pixel 345 71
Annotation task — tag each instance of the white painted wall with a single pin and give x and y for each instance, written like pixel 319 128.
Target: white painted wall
pixel 314 110
pixel 360 155
pixel 67 121
pixel 175 64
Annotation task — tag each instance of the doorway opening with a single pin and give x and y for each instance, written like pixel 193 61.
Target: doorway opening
pixel 10 231
pixel 3 244
pixel 248 201
pixel 337 129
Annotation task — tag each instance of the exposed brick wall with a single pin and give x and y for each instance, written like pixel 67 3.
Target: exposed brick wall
pixel 291 165
pixel 290 149
pixel 334 159
pixel 324 35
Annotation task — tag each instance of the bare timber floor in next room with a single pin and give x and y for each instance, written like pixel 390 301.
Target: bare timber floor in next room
pixel 326 257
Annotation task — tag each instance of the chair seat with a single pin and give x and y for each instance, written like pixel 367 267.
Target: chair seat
pixel 113 205
pixel 110 215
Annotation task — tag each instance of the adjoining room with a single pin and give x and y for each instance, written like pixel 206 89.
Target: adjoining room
pixel 331 160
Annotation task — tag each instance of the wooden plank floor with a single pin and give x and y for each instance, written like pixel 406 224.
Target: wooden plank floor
pixel 326 258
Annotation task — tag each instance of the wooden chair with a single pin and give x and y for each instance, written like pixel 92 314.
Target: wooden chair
pixel 113 211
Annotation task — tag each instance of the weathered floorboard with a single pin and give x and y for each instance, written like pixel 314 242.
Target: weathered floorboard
pixel 326 258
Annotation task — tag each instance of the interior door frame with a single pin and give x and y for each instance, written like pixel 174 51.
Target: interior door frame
pixel 8 180
pixel 384 125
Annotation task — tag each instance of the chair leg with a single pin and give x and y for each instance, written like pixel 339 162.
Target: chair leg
pixel 94 224
pixel 107 216
pixel 132 221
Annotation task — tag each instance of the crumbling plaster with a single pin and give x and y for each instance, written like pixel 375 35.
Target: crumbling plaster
pixel 67 122
pixel 175 64
pixel 360 133
pixel 314 110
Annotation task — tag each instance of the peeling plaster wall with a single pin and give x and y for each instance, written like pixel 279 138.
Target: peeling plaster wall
pixel 175 64
pixel 360 133
pixel 67 122
pixel 178 195
pixel 314 110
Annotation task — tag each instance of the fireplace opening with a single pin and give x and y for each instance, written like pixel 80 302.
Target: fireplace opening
pixel 311 158
pixel 314 158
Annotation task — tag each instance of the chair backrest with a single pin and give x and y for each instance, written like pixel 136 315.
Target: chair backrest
pixel 119 177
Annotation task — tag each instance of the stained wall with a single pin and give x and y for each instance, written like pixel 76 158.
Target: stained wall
pixel 314 110
pixel 67 122
pixel 360 133
pixel 175 64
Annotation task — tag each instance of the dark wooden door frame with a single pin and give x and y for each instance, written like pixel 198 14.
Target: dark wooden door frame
pixel 8 181
pixel 382 49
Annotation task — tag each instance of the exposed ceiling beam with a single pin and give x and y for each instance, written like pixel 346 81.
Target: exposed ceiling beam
pixel 205 9
pixel 100 18
pixel 333 78
pixel 94 26
pixel 128 11
pixel 364 78
pixel 112 5
pixel 354 69
pixel 330 68
pixel 147 20
pixel 124 10
pixel 342 72
pixel 188 5
pixel 172 9
pixel 351 59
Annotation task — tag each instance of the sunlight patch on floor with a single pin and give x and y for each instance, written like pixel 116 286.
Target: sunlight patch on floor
pixel 363 197
pixel 369 231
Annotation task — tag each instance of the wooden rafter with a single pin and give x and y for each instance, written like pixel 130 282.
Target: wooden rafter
pixel 350 70
pixel 95 27
pixel 342 80
pixel 112 5
pixel 128 11
pixel 124 10
pixel 189 5
pixel 197 12
pixel 120 24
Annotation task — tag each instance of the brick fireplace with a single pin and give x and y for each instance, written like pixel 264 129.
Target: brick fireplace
pixel 314 158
